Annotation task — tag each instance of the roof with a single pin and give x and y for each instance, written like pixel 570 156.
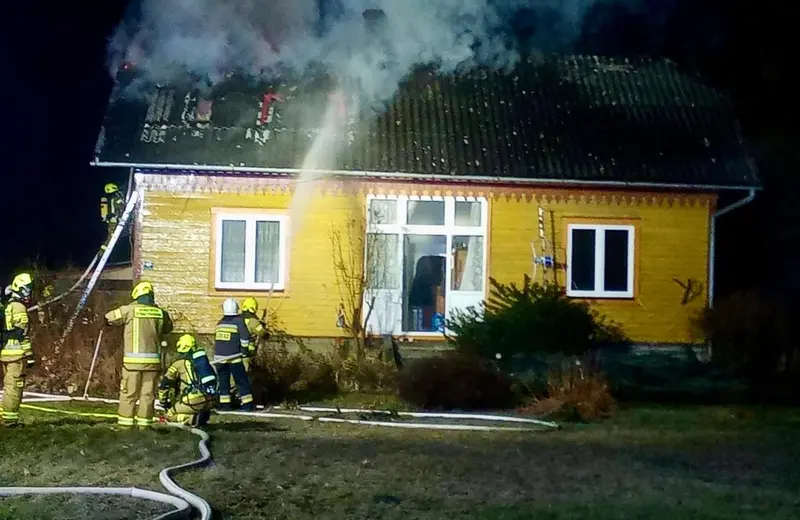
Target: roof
pixel 569 118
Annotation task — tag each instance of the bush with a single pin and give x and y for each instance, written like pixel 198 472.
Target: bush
pixel 64 368
pixel 666 377
pixel 532 320
pixel 576 393
pixel 286 370
pixel 750 335
pixel 455 381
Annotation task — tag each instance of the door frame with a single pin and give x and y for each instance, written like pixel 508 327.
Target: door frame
pixel 448 229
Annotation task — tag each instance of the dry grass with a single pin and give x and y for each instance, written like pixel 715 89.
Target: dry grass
pixel 657 463
pixel 575 392
pixel 64 367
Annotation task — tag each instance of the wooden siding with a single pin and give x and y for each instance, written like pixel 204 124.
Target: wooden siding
pixel 175 234
pixel 671 243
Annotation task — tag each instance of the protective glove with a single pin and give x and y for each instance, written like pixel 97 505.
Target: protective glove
pixel 166 403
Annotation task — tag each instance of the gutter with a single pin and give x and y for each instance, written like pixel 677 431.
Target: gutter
pixel 712 236
pixel 415 176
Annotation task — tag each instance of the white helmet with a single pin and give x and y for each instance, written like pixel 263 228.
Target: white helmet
pixel 230 307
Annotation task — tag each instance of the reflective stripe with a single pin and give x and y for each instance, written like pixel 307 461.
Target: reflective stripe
pixel 13 351
pixel 225 399
pixel 207 379
pixel 248 398
pixel 199 353
pixel 116 314
pixel 146 358
pixel 140 421
pixel 124 421
pixel 10 415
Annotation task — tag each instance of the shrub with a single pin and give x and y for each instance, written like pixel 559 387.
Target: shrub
pixel 455 381
pixel 750 335
pixel 576 392
pixel 65 367
pixel 667 377
pixel 535 319
pixel 286 370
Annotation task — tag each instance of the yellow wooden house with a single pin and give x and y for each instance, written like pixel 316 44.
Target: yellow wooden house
pixel 600 174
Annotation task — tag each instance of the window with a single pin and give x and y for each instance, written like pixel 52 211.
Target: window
pixel 600 261
pixel 251 251
pixel 428 259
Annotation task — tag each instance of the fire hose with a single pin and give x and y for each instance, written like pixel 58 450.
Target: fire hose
pixel 181 500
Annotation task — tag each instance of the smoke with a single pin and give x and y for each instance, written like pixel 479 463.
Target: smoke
pixel 211 38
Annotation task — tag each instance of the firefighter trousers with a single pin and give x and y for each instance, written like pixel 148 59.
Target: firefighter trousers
pixel 190 414
pixel 246 361
pixel 233 370
pixel 137 385
pixel 14 373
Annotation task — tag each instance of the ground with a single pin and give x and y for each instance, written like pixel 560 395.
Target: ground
pixel 647 462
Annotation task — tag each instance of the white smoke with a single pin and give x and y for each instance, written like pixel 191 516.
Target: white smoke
pixel 167 38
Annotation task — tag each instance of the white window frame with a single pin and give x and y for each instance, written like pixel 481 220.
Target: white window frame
pixel 449 229
pixel 249 251
pixel 599 261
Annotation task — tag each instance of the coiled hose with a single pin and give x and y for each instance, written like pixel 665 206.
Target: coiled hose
pixel 180 499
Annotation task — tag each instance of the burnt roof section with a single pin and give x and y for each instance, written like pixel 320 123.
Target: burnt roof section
pixel 575 118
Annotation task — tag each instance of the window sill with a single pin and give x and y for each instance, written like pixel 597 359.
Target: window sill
pixel 580 295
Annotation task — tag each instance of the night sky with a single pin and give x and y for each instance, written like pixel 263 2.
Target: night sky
pixel 56 86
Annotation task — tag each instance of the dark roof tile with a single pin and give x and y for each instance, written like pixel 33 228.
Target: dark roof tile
pixel 580 118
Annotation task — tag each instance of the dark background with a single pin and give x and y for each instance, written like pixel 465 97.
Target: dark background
pixel 55 87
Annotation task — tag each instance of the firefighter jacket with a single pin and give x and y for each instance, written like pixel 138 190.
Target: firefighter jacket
pixel 111 208
pixel 231 338
pixel 17 333
pixel 185 381
pixel 145 325
pixel 258 332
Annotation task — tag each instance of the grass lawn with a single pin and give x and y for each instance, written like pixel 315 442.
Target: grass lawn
pixel 647 463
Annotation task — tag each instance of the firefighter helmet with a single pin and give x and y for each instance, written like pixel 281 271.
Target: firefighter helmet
pixel 230 307
pixel 111 188
pixel 186 344
pixel 141 289
pixel 250 305
pixel 22 285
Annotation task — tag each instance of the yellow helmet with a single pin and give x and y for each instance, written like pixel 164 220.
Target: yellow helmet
pixel 186 344
pixel 250 305
pixel 111 188
pixel 141 289
pixel 22 285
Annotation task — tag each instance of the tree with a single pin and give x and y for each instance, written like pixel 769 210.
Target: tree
pixel 360 261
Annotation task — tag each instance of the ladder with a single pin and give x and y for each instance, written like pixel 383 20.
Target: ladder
pixel 106 253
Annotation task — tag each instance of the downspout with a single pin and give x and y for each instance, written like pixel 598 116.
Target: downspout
pixel 712 238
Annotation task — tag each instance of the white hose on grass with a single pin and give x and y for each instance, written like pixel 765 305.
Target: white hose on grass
pixel 170 485
pixel 182 499
pixel 437 415
pixel 182 508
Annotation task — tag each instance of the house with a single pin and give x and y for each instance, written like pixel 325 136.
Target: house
pixel 601 174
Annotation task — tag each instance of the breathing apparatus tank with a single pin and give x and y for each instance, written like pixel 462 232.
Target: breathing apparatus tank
pixel 206 377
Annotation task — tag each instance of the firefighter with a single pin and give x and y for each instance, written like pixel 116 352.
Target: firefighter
pixel 145 326
pixel 16 354
pixel 188 391
pixel 111 206
pixel 258 333
pixel 231 340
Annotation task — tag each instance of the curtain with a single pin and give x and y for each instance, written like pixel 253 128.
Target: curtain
pixel 472 276
pixel 233 251
pixel 268 236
